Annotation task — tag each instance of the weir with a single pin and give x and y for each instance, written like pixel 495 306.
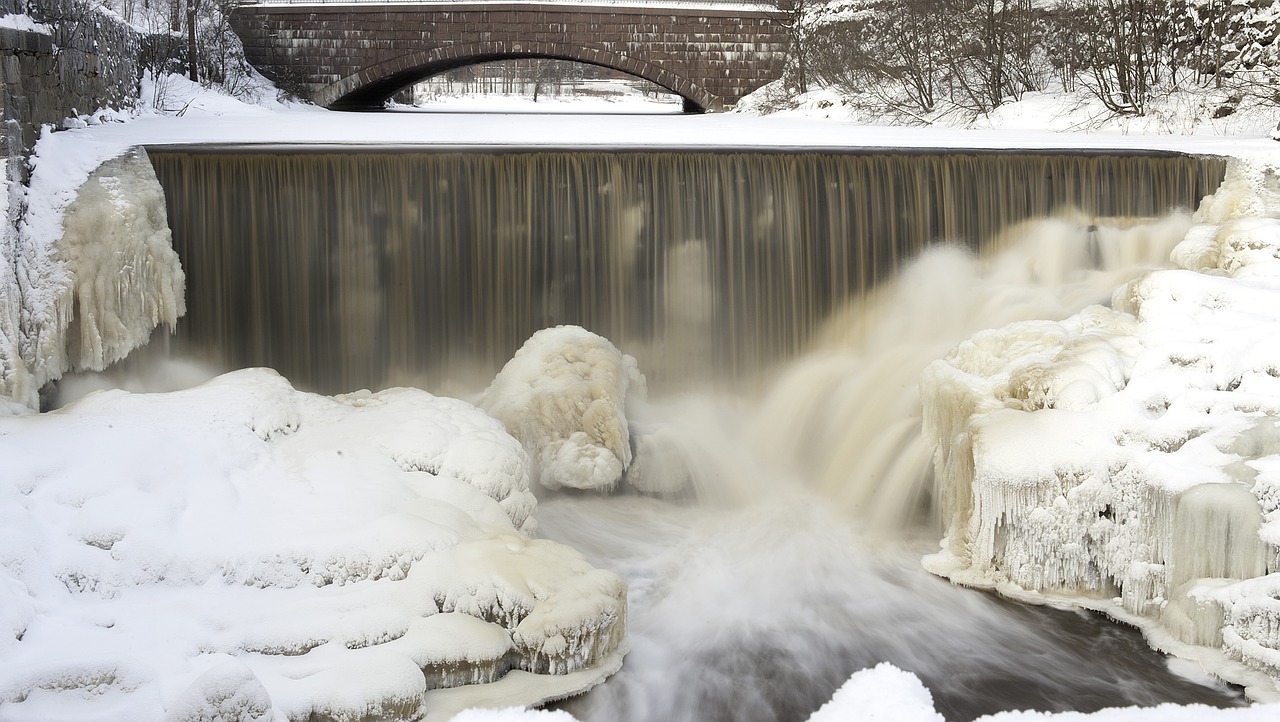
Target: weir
pixel 346 269
pixel 770 539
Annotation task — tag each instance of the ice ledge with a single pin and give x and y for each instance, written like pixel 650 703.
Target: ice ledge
pixel 243 550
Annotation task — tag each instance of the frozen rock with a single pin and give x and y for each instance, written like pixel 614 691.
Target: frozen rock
pixel 242 550
pixel 564 396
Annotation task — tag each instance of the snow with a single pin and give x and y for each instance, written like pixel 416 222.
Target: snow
pixel 883 693
pixel 280 553
pixel 1179 111
pixel 564 396
pixel 615 98
pixel 24 22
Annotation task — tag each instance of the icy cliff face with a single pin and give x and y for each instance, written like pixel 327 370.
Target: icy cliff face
pixel 99 290
pixel 15 379
pixel 1129 457
pixel 242 550
pixel 564 396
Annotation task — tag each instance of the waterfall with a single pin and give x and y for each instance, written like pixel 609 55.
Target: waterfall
pixel 813 286
pixel 347 269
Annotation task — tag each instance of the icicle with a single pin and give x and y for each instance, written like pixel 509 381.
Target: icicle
pixel 121 275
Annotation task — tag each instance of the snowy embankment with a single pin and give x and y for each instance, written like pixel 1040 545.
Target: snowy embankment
pixel 242 550
pixel 1127 459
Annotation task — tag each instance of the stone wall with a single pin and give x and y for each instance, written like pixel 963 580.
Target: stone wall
pixel 349 57
pixel 87 61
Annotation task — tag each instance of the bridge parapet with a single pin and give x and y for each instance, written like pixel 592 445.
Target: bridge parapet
pixel 357 55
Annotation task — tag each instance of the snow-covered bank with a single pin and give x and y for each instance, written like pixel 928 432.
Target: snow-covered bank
pixel 1124 459
pixel 1176 112
pixel 248 550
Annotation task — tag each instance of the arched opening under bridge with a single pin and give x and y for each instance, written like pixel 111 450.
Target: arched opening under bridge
pixel 372 87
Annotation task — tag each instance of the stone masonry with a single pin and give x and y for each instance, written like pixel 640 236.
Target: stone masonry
pixel 358 56
pixel 86 62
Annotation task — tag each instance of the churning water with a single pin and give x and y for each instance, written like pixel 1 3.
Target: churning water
pixel 783 306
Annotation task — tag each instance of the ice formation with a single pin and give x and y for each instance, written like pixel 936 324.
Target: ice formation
pixel 242 550
pixel 100 289
pixel 564 396
pixel 15 379
pixel 1128 458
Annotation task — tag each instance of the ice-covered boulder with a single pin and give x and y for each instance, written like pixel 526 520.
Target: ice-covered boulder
pixel 243 550
pixel 564 396
pixel 1128 459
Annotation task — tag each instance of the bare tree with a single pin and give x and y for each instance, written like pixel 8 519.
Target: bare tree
pixel 890 52
pixel 1124 50
pixel 800 30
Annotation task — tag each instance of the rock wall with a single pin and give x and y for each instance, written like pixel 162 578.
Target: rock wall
pixel 86 61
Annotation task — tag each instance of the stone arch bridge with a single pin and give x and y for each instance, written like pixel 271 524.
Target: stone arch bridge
pixel 358 55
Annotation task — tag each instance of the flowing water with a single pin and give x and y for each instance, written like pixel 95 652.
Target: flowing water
pixel 783 306
pixel 351 269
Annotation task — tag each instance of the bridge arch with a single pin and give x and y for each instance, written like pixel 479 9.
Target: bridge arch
pixel 357 54
pixel 371 87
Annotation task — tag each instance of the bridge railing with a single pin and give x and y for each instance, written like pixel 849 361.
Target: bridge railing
pixel 644 4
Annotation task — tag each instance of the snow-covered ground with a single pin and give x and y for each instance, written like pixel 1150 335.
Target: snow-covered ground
pixel 1178 112
pixel 603 103
pixel 178 551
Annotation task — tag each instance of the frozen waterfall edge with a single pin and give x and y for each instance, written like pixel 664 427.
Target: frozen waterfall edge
pixel 94 273
pixel 1152 489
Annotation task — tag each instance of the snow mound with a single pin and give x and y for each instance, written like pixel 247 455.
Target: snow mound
pixel 112 276
pixel 564 396
pixel 1129 459
pixel 883 692
pixel 242 550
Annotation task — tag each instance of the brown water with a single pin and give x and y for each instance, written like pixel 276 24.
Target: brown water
pixel 361 269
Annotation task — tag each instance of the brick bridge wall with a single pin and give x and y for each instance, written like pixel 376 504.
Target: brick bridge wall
pixel 358 56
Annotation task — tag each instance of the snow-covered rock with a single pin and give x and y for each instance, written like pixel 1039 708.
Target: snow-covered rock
pixel 883 692
pixel 242 550
pixel 1128 459
pixel 564 396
